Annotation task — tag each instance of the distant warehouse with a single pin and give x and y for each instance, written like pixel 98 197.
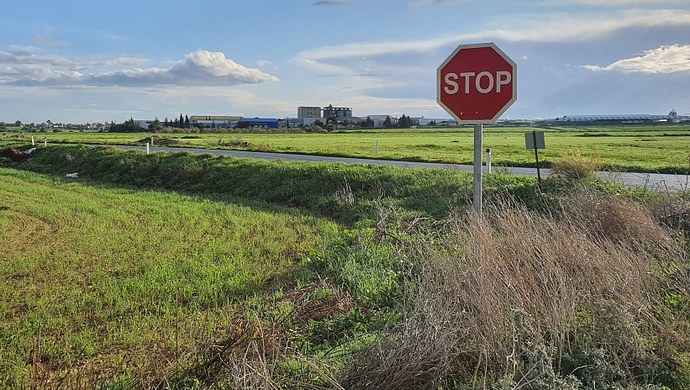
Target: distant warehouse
pixel 214 120
pixel 265 123
pixel 631 119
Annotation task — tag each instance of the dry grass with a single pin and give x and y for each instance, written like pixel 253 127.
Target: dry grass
pixel 575 167
pixel 504 301
pixel 617 219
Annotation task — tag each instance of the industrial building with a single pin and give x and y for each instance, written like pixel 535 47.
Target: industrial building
pixel 309 112
pixel 214 120
pixel 631 119
pixel 337 113
pixel 263 123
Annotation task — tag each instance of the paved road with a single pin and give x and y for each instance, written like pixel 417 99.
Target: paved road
pixel 652 181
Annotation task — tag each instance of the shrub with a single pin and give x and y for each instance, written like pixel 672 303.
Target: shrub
pixel 521 300
pixel 576 167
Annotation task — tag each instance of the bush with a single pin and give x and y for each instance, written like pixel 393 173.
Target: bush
pixel 576 167
pixel 518 299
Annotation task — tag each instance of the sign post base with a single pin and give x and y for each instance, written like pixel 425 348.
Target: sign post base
pixel 478 151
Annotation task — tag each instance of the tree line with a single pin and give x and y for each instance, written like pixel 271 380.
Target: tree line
pixel 129 126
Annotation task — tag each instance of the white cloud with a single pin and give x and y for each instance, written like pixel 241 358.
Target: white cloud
pixel 665 59
pixel 204 65
pixel 543 29
pixel 198 68
pixel 23 56
pixel 122 60
pixel 329 3
pixel 49 41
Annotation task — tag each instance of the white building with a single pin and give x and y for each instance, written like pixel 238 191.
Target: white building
pixel 308 112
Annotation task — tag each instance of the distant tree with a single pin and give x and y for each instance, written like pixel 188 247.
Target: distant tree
pixel 368 123
pixel 186 121
pixel 432 123
pixel 126 127
pixel 181 121
pixel 387 124
pixel 18 123
pixel 318 123
pixel 156 126
pixel 404 122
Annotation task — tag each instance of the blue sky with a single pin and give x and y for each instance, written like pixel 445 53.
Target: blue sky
pixel 86 60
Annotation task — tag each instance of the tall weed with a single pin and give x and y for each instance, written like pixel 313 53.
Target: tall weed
pixel 576 167
pixel 521 300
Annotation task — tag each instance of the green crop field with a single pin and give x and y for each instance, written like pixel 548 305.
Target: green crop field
pixel 113 282
pixel 628 148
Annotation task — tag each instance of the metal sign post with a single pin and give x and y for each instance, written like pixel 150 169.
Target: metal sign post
pixel 535 140
pixel 476 84
pixel 477 194
pixel 536 156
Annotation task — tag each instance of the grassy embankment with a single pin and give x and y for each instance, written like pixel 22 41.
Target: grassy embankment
pixel 627 148
pixel 217 281
pixel 114 282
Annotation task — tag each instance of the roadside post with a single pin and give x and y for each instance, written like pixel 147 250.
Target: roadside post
pixel 476 84
pixel 148 149
pixel 535 140
pixel 488 161
pixel 33 142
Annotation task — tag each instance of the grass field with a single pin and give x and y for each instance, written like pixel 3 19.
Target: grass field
pixel 628 148
pixel 188 271
pixel 113 282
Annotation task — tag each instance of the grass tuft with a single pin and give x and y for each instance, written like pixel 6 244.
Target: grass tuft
pixel 523 300
pixel 576 167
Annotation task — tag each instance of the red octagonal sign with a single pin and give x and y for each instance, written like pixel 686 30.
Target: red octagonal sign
pixel 477 83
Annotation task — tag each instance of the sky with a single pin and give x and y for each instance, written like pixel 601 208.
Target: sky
pixel 99 61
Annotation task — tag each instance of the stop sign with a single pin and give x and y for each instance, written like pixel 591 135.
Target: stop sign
pixel 476 83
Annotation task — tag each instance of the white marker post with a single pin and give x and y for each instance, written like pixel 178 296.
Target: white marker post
pixel 488 161
pixel 148 149
pixel 45 141
pixel 33 143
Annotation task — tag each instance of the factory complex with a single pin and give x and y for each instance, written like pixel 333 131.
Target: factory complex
pixel 342 117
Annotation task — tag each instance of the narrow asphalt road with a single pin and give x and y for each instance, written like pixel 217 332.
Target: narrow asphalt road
pixel 652 181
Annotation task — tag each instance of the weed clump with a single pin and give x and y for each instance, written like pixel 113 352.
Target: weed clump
pixel 575 167
pixel 517 299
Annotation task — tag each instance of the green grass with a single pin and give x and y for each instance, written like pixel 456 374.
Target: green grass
pixel 344 192
pixel 631 148
pixel 112 281
pixel 175 270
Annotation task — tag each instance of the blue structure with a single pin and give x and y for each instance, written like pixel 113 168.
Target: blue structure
pixel 268 123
